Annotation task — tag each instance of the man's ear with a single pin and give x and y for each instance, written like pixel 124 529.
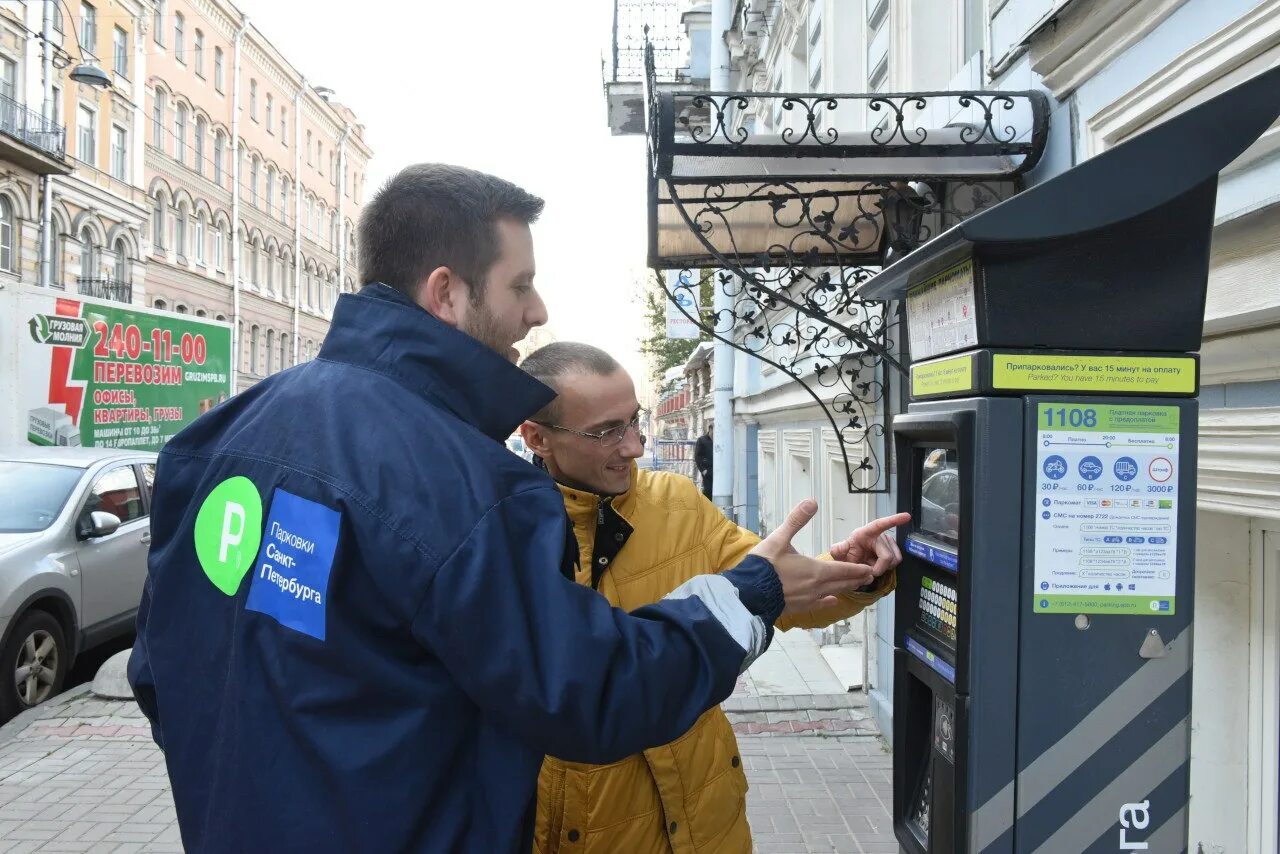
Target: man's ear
pixel 443 294
pixel 535 437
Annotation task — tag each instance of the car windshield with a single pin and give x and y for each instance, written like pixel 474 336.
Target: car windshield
pixel 32 495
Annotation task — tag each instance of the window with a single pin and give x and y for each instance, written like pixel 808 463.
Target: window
pixel 200 312
pixel 219 145
pixel 119 153
pixel 57 104
pixel 253 183
pixel 270 110
pixel 157 224
pixel 284 351
pixel 88 136
pixel 320 156
pixel 199 52
pixel 333 168
pixel 157 120
pixel 284 126
pixel 253 349
pixel 253 264
pixel 117 492
pixel 270 193
pixel 120 51
pixel 270 264
pixel 88 255
pixel 200 238
pixel 157 23
pixel 306 218
pixel 202 130
pixel 219 242
pixel 284 199
pixel 180 232
pixel 217 68
pixel 160 304
pixel 179 39
pixel 122 262
pixel 6 235
pixel 180 309
pixel 89 28
pixel 308 148
pixel 271 350
pixel 253 100
pixel 333 231
pixel 180 134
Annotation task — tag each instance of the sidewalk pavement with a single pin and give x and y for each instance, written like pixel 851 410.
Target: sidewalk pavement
pixel 81 774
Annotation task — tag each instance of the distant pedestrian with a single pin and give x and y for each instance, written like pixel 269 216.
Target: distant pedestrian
pixel 704 458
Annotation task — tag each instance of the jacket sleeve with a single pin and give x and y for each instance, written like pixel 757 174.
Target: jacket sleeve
pixel 554 663
pixel 730 543
pixel 139 672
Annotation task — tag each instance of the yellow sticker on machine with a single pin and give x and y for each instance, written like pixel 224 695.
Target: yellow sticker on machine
pixel 1137 374
pixel 945 376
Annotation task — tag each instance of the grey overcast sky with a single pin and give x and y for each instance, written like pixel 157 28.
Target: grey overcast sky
pixel 510 87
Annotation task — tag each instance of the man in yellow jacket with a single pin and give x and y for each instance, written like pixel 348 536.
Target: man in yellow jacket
pixel 641 534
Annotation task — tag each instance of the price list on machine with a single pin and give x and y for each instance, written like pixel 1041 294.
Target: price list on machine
pixel 1106 509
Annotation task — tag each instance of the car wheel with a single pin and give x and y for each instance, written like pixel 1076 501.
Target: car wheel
pixel 34 663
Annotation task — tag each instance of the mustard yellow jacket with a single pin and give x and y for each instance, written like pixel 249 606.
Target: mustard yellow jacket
pixel 689 795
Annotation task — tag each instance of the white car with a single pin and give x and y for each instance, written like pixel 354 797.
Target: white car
pixel 75 529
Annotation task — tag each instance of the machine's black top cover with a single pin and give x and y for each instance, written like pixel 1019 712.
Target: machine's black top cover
pixel 1111 254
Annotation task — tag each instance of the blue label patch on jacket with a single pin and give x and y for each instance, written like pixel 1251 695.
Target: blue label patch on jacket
pixel 291 576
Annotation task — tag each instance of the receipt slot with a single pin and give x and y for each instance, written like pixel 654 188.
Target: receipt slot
pixel 1043 618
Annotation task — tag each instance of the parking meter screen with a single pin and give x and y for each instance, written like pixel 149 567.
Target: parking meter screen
pixel 939 509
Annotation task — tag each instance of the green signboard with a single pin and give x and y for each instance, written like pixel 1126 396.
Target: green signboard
pixel 116 375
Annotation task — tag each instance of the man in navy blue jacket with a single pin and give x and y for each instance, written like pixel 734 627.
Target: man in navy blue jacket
pixel 359 630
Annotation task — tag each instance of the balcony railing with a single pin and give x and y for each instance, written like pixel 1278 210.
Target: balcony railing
pixel 106 289
pixel 655 21
pixel 32 128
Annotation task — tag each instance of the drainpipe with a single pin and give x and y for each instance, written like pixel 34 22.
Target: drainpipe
pixel 342 210
pixel 235 206
pixel 297 215
pixel 723 459
pixel 46 181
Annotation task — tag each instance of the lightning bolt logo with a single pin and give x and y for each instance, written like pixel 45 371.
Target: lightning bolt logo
pixel 62 389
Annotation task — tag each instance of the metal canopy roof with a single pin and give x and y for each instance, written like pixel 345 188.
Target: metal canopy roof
pixel 722 195
pixel 795 218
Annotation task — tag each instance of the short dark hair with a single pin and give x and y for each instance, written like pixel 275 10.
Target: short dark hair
pixel 434 215
pixel 549 364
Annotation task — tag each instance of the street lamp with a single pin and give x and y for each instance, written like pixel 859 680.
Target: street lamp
pixel 87 71
pixel 90 74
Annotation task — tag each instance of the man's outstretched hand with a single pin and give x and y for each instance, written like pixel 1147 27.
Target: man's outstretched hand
pixel 809 583
pixel 873 544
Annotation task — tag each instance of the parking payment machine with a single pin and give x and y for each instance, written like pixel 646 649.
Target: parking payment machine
pixel 1042 686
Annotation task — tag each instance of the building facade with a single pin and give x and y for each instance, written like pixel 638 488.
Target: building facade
pixel 254 180
pixel 1110 71
pixel 208 178
pixel 87 149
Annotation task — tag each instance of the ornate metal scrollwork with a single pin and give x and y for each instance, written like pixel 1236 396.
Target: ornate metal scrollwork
pixel 791 236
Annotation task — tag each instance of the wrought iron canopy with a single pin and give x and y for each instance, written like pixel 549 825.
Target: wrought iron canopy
pixel 819 185
pixel 796 217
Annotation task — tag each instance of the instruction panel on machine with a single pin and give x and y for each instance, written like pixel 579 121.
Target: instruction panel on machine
pixel 1106 509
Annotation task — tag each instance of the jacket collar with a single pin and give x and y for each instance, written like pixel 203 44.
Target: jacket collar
pixel 381 329
pixel 582 506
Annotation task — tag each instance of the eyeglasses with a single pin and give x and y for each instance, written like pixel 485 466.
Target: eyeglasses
pixel 607 438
